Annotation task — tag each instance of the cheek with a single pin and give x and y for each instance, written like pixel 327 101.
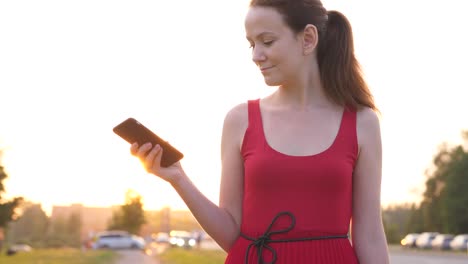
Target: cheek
pixel 295 59
pixel 288 54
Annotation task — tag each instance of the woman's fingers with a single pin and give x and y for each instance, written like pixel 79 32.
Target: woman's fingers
pixel 150 161
pixel 134 148
pixel 149 156
pixel 157 161
pixel 143 150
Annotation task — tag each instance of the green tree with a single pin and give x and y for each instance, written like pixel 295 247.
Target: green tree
pixel 395 220
pixel 30 227
pixel 57 236
pixel 455 198
pixel 65 231
pixel 7 207
pixel 414 223
pixel 391 232
pixel 129 216
pixel 73 227
pixel 444 203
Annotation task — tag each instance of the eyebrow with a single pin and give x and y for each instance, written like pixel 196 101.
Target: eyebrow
pixel 260 35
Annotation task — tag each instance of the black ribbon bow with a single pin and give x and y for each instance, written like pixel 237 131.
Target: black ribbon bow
pixel 261 243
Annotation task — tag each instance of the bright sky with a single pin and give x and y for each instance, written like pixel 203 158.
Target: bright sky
pixel 71 70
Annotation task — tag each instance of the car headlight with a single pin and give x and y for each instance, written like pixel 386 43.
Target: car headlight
pixel 192 242
pixel 180 242
pixel 173 241
pixel 403 242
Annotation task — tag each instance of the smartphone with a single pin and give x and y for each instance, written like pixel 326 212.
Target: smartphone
pixel 133 131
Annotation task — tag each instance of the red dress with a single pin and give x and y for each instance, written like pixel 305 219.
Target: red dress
pixel 310 196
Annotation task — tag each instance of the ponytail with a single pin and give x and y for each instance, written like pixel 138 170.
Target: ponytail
pixel 340 72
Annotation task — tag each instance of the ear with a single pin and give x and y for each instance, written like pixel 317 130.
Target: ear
pixel 309 39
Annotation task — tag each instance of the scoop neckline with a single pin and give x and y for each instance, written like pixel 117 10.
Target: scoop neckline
pixel 340 128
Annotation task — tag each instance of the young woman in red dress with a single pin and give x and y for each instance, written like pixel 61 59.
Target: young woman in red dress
pixel 301 168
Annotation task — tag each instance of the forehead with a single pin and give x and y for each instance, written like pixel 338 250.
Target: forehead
pixel 264 19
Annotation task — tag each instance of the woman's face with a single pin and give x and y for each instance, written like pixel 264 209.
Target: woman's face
pixel 276 49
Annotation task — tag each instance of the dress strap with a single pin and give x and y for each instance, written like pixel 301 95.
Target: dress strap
pixel 349 131
pixel 254 113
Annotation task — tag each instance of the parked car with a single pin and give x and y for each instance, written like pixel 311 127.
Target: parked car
pixel 161 237
pixel 442 241
pixel 459 242
pixel 425 239
pixel 118 240
pixel 21 247
pixel 15 248
pixel 409 240
pixel 182 239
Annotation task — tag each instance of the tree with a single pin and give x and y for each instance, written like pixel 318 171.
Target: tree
pixel 57 236
pixel 31 227
pixel 395 220
pixel 444 203
pixel 7 207
pixel 65 231
pixel 455 196
pixel 73 228
pixel 130 216
pixel 414 222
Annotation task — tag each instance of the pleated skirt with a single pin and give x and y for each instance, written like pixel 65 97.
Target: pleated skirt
pixel 330 251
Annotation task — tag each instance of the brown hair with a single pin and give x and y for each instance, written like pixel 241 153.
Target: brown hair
pixel 340 72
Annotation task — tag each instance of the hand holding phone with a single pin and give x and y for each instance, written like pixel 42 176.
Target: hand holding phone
pixel 133 131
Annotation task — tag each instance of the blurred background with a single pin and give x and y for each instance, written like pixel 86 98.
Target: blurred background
pixel 72 70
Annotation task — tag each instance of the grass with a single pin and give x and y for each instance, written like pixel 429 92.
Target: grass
pixel 59 256
pixel 192 256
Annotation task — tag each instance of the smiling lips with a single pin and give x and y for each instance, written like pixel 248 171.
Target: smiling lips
pixel 264 69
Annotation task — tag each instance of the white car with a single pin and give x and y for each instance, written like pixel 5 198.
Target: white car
pixel 424 240
pixel 118 240
pixel 183 239
pixel 18 248
pixel 442 241
pixel 409 240
pixel 161 237
pixel 459 242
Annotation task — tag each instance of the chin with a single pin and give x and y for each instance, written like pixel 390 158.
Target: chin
pixel 272 82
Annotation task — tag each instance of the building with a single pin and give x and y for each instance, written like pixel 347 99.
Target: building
pixel 96 219
pixel 93 219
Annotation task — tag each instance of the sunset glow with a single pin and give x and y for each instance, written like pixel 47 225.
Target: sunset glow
pixel 71 71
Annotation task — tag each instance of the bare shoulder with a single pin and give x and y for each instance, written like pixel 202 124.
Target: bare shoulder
pixel 235 124
pixel 368 126
pixel 237 117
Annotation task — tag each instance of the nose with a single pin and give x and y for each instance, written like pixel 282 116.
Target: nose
pixel 258 54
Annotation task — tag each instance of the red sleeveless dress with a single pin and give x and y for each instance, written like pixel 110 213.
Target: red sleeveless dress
pixel 296 209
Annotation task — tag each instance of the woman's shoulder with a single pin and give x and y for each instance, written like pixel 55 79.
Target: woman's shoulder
pixel 237 116
pixel 367 117
pixel 367 124
pixel 238 113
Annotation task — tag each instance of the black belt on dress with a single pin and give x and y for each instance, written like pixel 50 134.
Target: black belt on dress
pixel 262 242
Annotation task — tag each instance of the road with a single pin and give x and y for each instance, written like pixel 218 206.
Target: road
pixel 397 256
pixel 135 257
pixel 402 256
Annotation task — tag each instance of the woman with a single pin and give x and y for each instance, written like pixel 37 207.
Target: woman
pixel 302 165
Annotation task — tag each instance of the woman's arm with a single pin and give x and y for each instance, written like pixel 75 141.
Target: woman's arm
pixel 367 230
pixel 221 222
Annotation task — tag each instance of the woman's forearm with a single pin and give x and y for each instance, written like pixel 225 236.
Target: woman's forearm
pixel 216 221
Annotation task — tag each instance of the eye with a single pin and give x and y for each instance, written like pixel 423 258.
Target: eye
pixel 268 43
